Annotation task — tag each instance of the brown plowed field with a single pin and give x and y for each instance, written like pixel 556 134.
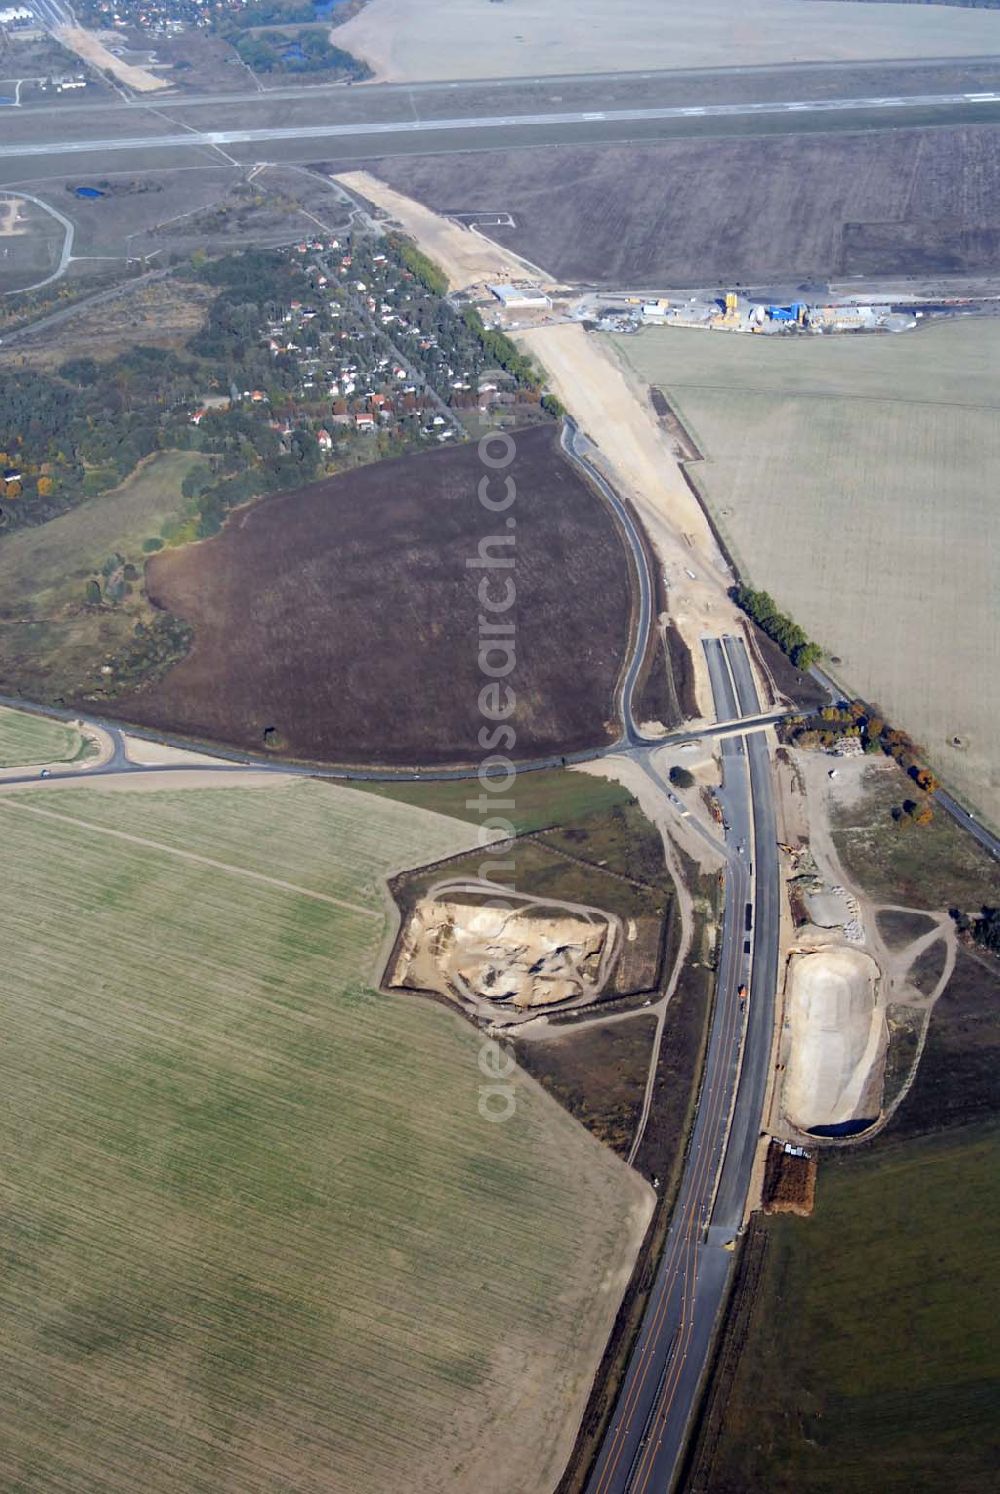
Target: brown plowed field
pixel 343 616
pixel 701 212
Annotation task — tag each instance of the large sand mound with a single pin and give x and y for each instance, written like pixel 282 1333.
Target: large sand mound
pixel 836 1038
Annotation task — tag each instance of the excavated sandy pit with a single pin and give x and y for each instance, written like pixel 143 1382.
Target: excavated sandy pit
pixel 837 1052
pixel 506 955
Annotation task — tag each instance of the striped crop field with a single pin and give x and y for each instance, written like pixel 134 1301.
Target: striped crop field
pixel 256 1234
pixel 854 478
pixel 26 740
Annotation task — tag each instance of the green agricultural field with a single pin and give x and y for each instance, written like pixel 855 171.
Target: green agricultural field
pixel 256 1234
pixel 854 478
pixel 871 1361
pixel 549 797
pixel 26 740
pixel 556 796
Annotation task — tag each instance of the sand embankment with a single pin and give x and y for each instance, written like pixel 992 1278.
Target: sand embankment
pixel 88 45
pixel 837 1038
pixel 466 258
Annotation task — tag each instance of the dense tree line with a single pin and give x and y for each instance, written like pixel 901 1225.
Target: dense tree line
pixel 867 723
pixel 502 350
pixel 298 52
pixel 426 271
pixel 268 13
pixel 789 637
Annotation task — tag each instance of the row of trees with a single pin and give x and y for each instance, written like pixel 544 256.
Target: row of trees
pixel 789 637
pixel 500 349
pixel 431 277
pixel 855 718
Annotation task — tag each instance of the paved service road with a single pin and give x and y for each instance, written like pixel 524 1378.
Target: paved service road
pixel 231 760
pixel 576 446
pixel 646 1436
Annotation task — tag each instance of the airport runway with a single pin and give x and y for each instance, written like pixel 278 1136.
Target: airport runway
pixel 377 130
pixel 219 130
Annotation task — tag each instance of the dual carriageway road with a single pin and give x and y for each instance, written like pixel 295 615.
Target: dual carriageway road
pixel 647 1433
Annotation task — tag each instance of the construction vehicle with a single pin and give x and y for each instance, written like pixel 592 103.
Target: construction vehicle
pixel 731 314
pixel 796 312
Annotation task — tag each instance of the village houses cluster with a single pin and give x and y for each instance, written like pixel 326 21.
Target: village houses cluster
pixel 372 351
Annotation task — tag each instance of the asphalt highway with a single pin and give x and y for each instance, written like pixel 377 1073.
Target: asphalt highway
pixel 222 760
pixel 647 1433
pixel 764 977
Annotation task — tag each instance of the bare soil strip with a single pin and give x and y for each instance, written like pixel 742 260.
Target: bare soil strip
pixel 90 47
pixel 465 257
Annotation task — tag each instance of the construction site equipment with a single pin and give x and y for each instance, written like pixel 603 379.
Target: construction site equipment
pixel 796 312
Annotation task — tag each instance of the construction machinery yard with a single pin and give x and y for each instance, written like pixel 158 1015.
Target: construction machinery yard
pixel 761 315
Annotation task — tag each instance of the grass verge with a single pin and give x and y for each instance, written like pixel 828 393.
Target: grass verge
pixel 555 796
pixel 27 740
pixel 924 866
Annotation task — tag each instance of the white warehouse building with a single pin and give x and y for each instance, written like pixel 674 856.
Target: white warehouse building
pixel 520 297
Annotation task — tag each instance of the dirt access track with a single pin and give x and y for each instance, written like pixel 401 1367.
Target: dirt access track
pixel 88 46
pixel 466 257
